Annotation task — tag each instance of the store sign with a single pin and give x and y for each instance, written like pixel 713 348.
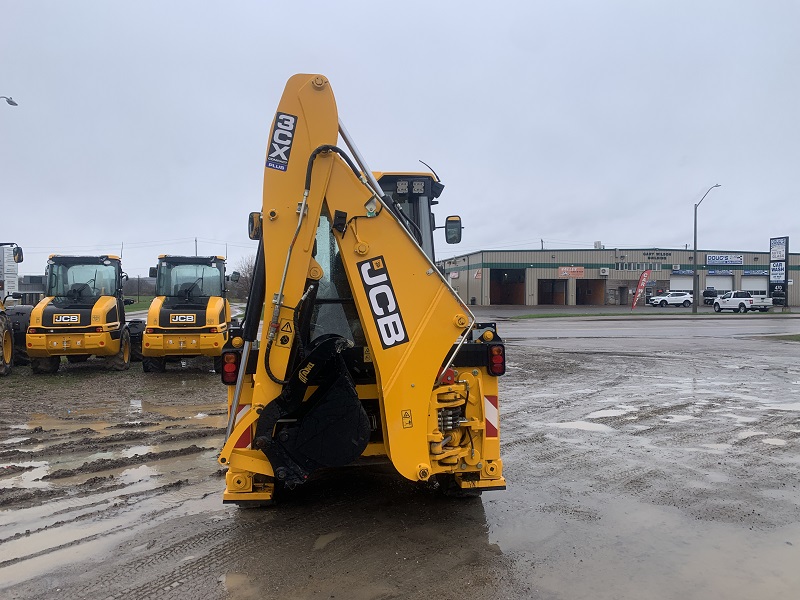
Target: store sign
pixel 453 274
pixel 720 272
pixel 570 272
pixel 683 272
pixel 724 259
pixel 777 248
pixel 777 272
pixel 761 272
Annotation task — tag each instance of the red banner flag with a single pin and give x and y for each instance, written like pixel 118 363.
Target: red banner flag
pixel 640 288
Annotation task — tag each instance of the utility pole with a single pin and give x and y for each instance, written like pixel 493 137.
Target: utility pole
pixel 695 277
pixel 195 246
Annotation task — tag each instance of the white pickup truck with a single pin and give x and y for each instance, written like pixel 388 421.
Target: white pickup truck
pixel 741 301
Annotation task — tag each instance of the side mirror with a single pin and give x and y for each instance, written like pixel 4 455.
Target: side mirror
pixel 153 272
pixel 17 254
pixel 235 276
pixel 254 226
pixel 124 276
pixel 128 301
pixel 452 229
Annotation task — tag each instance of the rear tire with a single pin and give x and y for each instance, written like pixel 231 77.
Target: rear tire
pixel 6 345
pixel 121 361
pixel 742 308
pixel 686 304
pixel 46 366
pixel 152 364
pixel 136 350
pixel 663 303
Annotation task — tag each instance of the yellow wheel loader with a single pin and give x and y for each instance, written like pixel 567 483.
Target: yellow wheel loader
pixel 190 315
pixel 8 354
pixel 366 353
pixel 81 315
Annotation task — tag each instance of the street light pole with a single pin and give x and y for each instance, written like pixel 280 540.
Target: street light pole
pixel 695 277
pixel 9 100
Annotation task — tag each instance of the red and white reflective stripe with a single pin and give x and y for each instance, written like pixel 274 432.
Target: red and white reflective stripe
pixel 492 415
pixel 247 437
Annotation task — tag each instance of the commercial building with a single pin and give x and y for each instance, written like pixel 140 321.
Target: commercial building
pixel 602 276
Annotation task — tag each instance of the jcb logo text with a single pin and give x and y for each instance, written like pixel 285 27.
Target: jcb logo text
pixel 382 302
pixel 181 318
pixel 66 319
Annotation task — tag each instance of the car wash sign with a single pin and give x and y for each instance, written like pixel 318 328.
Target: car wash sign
pixel 778 271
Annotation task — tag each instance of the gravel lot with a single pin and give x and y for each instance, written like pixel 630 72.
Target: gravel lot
pixel 636 469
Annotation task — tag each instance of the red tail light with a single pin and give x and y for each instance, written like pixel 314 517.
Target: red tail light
pixel 31 329
pixel 98 329
pixel 497 359
pixel 149 330
pixel 230 367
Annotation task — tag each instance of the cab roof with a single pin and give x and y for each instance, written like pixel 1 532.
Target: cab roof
pixel 89 260
pixel 190 260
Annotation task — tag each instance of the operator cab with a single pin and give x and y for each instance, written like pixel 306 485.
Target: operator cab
pixel 189 280
pixel 82 280
pixel 414 194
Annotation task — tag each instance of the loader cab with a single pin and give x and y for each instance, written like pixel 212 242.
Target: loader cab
pixel 74 281
pixel 189 280
pixel 415 194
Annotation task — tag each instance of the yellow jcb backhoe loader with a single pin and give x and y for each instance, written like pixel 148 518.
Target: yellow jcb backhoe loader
pixel 366 352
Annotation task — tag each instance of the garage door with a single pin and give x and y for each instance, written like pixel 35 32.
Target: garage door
pixel 721 283
pixel 680 283
pixel 755 284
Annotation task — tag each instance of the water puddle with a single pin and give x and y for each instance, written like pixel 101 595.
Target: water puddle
pixel 609 412
pixel 584 425
pixel 774 441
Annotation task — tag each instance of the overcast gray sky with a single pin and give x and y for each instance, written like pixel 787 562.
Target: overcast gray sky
pixel 146 123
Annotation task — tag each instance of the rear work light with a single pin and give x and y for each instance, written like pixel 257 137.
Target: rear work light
pixel 497 359
pixel 230 367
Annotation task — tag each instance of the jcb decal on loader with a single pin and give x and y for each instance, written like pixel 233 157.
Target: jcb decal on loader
pixel 382 302
pixel 280 145
pixel 182 318
pixel 72 319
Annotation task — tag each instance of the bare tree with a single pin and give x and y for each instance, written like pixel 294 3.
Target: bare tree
pixel 246 267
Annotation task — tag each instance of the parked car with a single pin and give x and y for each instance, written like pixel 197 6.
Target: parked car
pixel 672 299
pixel 741 301
pixel 709 296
